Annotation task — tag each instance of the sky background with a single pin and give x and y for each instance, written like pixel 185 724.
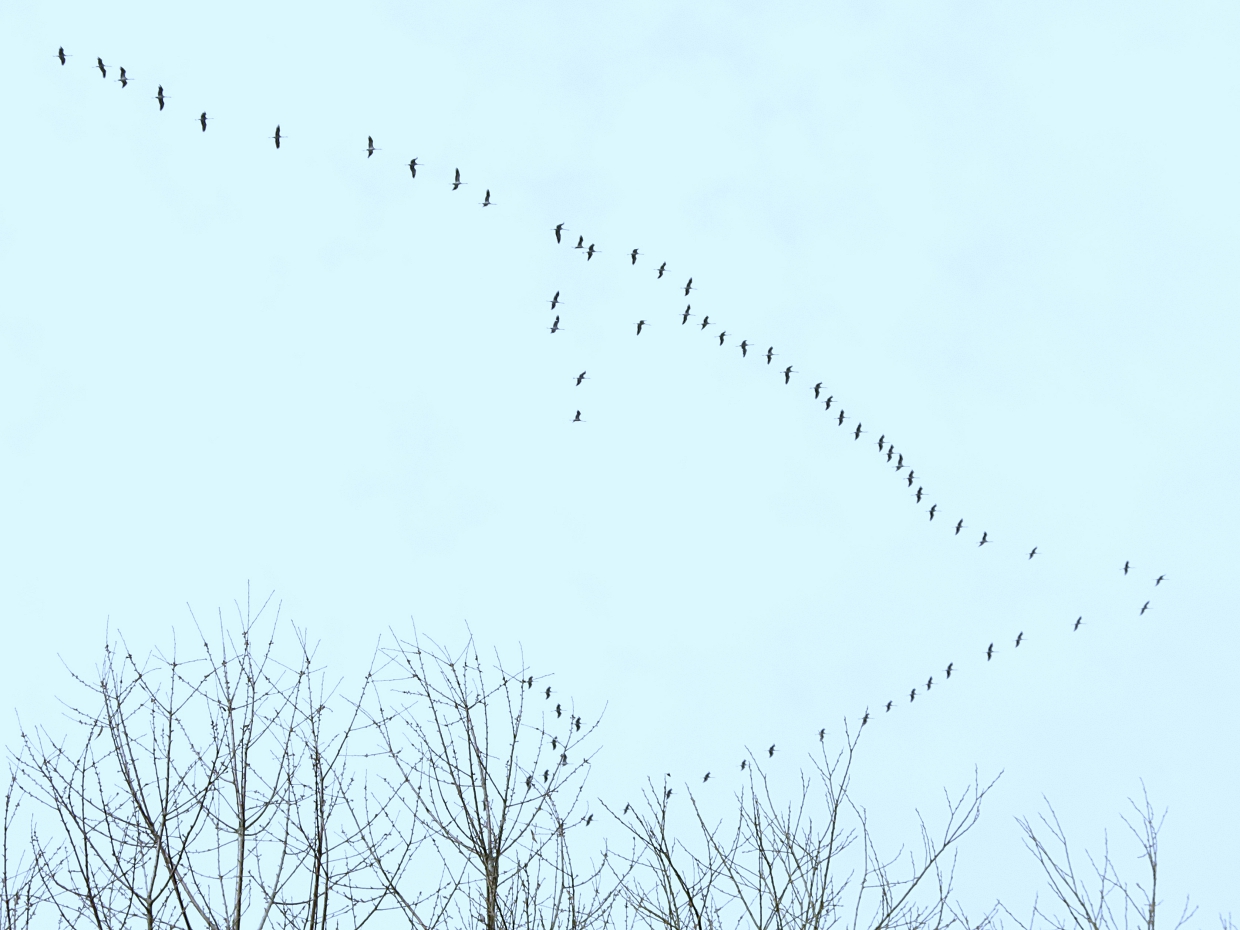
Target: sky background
pixel 1004 237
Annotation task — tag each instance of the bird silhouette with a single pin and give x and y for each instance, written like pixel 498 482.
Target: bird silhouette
pixel 984 540
pixel 950 665
pixel 667 794
pixel 577 418
pixel 889 703
pixel 744 762
pixel 1159 580
pixel 633 256
pixel 589 819
pixel 581 377
pixel 277 135
pixel 866 717
pixel 912 694
pixel 1145 608
pixel 456 179
pixel 899 461
pixel 1076 626
pixel 370 148
pixel 559 710
pixel 706 778
pixel 123 80
pixel 929 682
pixel 688 287
pixel 959 526
pixel 529 782
pixel 705 321
pixel 685 316
pixel 580 242
pixel 891 450
pixel 590 252
pixel 577 724
pixel 555 300
pixel 827 403
pixel 486 200
pixel 413 167
pixel 662 268
pixel 555 326
pixel 546 774
pixel 722 335
pixel 99 64
pixel 788 373
pixel 627 808
pixel 911 473
pixel 555 743
pixel 202 120
pixel 881 441
pixel 857 435
pixel 547 693
pixel 529 682
pixel 920 489
pixel 640 324
pixel 559 228
pixel 1019 637
pixel 60 53
pixel 1125 568
pixel 822 734
pixel 770 354
pixel 817 390
pixel 933 508
pixel 744 347
pixel 771 752
pixel 159 95
pixel 990 651
pixel 840 420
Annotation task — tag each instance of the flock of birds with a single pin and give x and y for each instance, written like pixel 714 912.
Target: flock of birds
pixel 886 449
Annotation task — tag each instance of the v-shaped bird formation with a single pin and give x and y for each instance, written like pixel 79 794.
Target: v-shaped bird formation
pixel 887 456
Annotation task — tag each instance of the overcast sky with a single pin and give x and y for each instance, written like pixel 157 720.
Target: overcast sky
pixel 1002 237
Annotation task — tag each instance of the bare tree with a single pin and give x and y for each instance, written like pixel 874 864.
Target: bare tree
pixel 810 864
pixel 199 792
pixel 1098 897
pixel 17 867
pixel 480 792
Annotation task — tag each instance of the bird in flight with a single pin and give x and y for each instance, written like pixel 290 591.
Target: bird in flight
pixel 555 300
pixel 1019 636
pixel 744 347
pixel 857 435
pixel 555 327
pixel 456 179
pixel 822 734
pixel 685 317
pixel 881 440
pixel 929 682
pixel 100 66
pixel 1159 580
pixel 910 477
pixel 959 526
pixel 744 762
pixel 370 148
pixel 705 320
pixel 1125 568
pixel 60 53
pixel 912 694
pixel 840 420
pixel 688 287
pixel 1076 626
pixel 1033 552
pixel 866 717
pixel 413 167
pixel 770 354
pixel 900 461
pixel 984 540
pixel 581 240
pixel 159 95
pixel 722 336
pixel 919 491
pixel 990 651
pixel 1145 608
pixel 949 669
pixel 559 228
pixel 547 693
pixel 817 390
pixel 771 752
pixel 633 257
pixel 788 373
pixel 123 80
pixel 933 508
pixel 590 252
pixel 581 377
pixel 889 703
pixel 486 200
pixel 706 778
pixel 202 120
pixel 640 324
pixel 891 450
pixel 277 135
pixel 559 710
pixel 577 418
pixel 662 268
pixel 827 402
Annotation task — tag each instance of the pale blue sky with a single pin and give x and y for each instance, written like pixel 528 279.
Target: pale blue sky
pixel 1003 235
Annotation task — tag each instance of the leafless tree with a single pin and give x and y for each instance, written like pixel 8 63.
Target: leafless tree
pixel 481 792
pixel 200 792
pixel 17 870
pixel 1098 897
pixel 807 865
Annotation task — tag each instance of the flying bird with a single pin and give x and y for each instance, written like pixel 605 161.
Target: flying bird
pixel 1019 636
pixel 1159 580
pixel 590 252
pixel 559 228
pixel 555 326
pixel 817 390
pixel 370 147
pixel 889 703
pixel 555 300
pixel 770 354
pixel 822 734
pixel 547 693
pixel 633 256
pixel 912 694
pixel 1076 626
pixel 959 526
pixel 881 441
pixel 662 268
pixel 202 120
pixel 929 682
pixel 984 540
pixel 919 490
pixel 99 65
pixel 581 377
pixel 123 80
pixel 685 317
pixel 589 819
pixel 827 402
pixel 866 718
pixel 990 651
pixel 667 794
pixel 640 324
pixel 705 320
pixel 910 477
pixel 413 167
pixel 788 373
pixel 577 418
pixel 900 461
pixel 771 752
pixel 486 200
pixel 60 53
pixel 456 179
pixel 933 508
pixel 891 450
pixel 1125 568
pixel 744 762
pixel 857 435
pixel 277 135
pixel 706 778
pixel 580 242
pixel 159 95
pixel 949 669
pixel 1145 608
pixel 722 335
pixel 841 419
pixel 529 682
pixel 688 287
pixel 744 347
pixel 559 710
